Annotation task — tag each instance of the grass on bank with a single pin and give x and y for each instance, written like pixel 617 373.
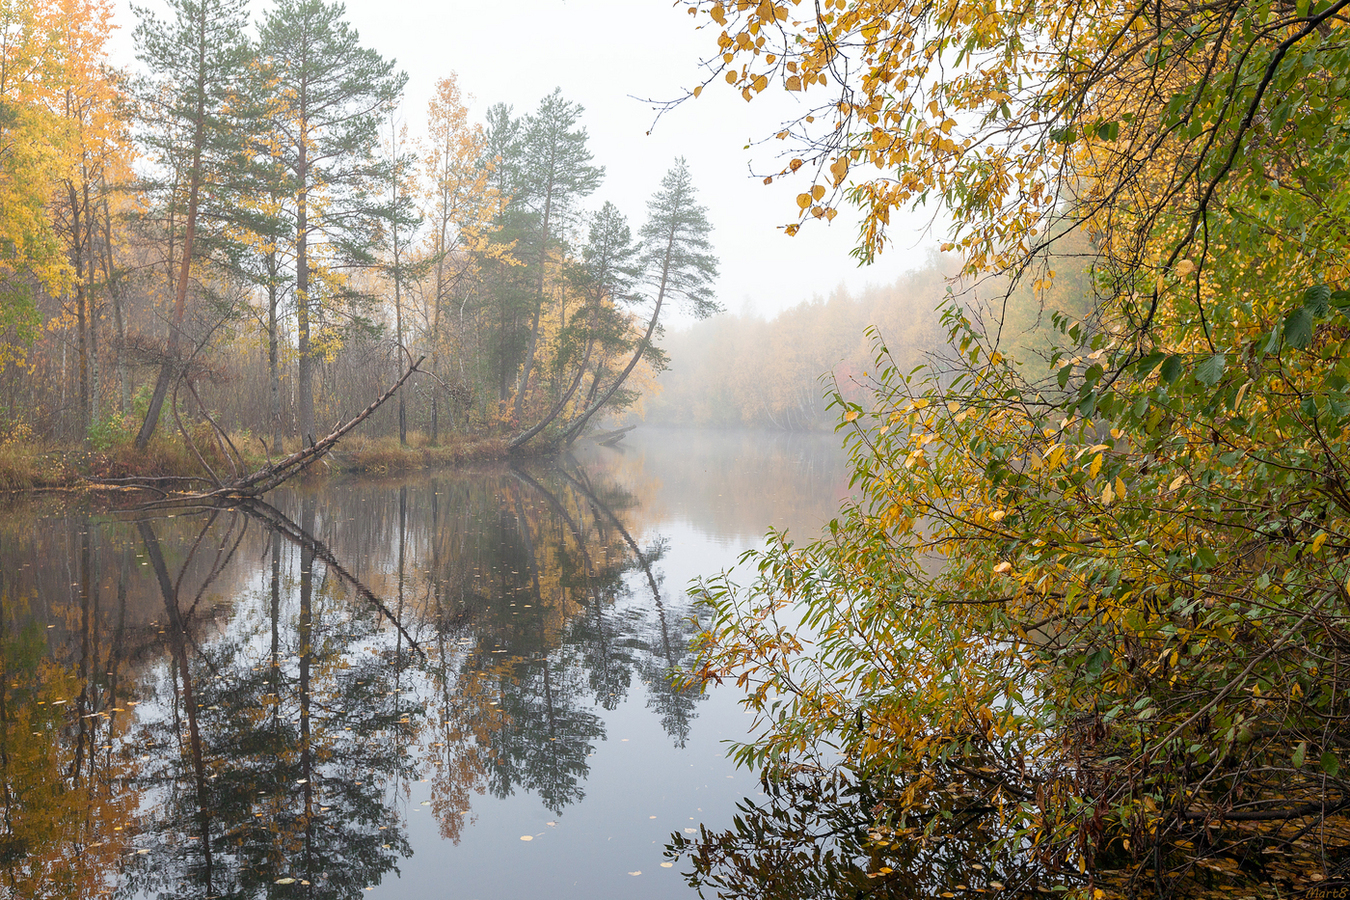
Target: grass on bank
pixel 28 464
pixel 384 455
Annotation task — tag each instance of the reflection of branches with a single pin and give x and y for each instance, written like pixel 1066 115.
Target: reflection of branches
pixel 642 559
pixel 281 524
pixel 561 510
pixel 177 638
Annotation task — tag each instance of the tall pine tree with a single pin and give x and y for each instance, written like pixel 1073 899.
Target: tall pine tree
pixel 196 60
pixel 555 173
pixel 678 265
pixel 331 96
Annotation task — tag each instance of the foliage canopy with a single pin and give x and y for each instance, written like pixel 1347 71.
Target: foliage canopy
pixel 1114 592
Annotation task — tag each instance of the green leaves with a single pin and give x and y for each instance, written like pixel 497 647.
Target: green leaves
pixel 1211 369
pixel 1298 327
pixel 1171 369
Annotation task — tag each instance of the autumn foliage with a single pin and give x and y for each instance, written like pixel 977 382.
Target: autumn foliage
pixel 1100 604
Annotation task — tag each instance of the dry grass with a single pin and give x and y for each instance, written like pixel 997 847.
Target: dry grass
pixel 383 456
pixel 27 465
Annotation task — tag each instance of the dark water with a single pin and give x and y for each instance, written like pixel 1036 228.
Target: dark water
pixel 382 688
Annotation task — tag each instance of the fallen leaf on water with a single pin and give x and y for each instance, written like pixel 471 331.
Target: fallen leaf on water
pixel 527 837
pixel 551 824
pixel 666 865
pixel 426 802
pixel 638 872
pixel 285 881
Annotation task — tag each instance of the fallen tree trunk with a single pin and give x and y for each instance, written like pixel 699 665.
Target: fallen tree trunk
pixel 610 438
pixel 273 474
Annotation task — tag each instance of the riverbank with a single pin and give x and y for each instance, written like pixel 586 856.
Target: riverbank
pixel 29 466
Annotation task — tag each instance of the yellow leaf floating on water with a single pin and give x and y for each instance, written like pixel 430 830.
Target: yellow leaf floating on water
pixel 285 881
pixel 527 837
pixel 666 865
pixel 638 872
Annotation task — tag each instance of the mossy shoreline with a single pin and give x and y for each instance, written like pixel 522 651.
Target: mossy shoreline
pixel 31 467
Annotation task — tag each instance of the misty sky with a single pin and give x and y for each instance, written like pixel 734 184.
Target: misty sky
pixel 610 55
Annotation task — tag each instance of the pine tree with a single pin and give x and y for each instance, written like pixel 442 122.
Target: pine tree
pixel 332 95
pixel 195 60
pixel 555 173
pixel 678 265
pixel 605 276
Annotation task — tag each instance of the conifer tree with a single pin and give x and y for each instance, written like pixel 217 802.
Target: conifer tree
pixel 195 60
pixel 605 276
pixel 555 173
pixel 331 96
pixel 678 265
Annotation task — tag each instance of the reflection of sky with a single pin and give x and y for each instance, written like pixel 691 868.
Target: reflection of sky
pixel 729 486
pixel 636 774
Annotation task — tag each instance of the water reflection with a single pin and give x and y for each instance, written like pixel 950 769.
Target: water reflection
pixel 243 702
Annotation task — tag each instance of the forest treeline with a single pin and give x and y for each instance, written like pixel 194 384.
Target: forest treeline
pixel 250 235
pixel 779 373
pixel 750 371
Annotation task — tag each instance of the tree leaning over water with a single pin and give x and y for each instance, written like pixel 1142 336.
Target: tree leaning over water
pixel 1112 592
pixel 678 264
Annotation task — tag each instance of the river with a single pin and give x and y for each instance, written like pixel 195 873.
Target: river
pixel 451 685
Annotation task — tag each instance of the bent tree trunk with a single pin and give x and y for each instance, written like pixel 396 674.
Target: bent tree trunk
pixel 273 474
pixel 169 366
pixel 573 431
pixel 548 418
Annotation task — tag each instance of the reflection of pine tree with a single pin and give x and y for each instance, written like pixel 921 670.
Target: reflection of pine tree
pixel 295 738
pixel 675 704
pixel 547 735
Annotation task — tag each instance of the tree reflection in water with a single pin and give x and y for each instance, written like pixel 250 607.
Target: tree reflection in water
pixel 247 717
pixel 827 834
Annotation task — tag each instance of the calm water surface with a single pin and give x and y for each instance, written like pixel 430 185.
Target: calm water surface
pixel 448 686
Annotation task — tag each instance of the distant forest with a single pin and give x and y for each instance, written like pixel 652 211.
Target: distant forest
pixel 748 371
